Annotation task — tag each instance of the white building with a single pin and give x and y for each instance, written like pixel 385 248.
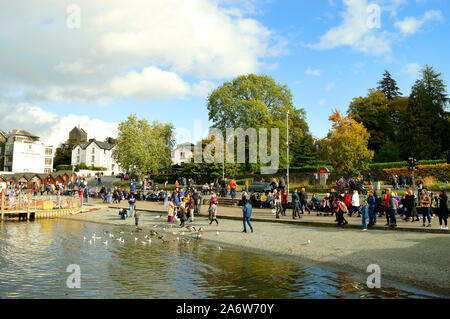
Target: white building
pixel 96 153
pixel 182 153
pixel 23 152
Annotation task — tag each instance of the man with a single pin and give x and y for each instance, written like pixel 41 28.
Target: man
pixel 304 201
pixel 233 189
pixel 386 198
pixel 247 212
pixel 132 203
pixel 196 200
pixel 295 200
pixel 191 205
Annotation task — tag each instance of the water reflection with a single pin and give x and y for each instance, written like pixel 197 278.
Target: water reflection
pixel 34 257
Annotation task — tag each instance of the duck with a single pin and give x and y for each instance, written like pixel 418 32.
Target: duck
pixel 138 229
pixel 153 233
pixel 199 235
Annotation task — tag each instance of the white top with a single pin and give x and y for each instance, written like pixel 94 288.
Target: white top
pixel 355 200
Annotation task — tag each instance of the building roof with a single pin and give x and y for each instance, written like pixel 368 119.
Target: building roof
pixel 102 145
pixel 22 133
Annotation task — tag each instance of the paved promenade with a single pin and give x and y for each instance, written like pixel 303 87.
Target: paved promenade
pixel 265 215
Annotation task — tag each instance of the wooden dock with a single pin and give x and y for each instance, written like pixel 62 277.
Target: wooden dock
pixel 32 214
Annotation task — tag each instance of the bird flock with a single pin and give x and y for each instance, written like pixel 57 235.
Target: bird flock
pixel 185 235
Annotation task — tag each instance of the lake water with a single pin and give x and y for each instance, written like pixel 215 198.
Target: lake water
pixel 34 258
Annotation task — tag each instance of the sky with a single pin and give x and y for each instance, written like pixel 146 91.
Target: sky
pixel 93 63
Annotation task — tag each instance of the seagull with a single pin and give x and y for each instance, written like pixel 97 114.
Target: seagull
pixel 121 232
pixel 105 232
pixel 135 239
pixel 154 226
pixel 182 233
pixel 178 238
pixel 143 242
pixel 217 233
pixel 119 239
pixel 84 238
pixel 220 248
pixel 111 235
pixel 123 241
pixel 146 237
pixel 200 229
pixel 106 243
pixel 90 241
pixel 308 242
pixel 174 233
pixel 149 240
pixel 98 238
pixel 199 235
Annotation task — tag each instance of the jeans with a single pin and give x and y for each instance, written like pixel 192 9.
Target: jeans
pixel 392 216
pixel 131 209
pixel 136 221
pixel 364 219
pixel 372 215
pixel 356 209
pixel 295 210
pixel 233 193
pixel 247 220
pixel 426 213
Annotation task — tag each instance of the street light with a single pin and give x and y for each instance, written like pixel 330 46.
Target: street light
pixel 287 150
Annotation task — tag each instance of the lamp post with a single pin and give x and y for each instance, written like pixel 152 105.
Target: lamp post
pixel 287 150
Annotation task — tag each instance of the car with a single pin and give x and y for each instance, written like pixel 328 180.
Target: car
pixel 259 187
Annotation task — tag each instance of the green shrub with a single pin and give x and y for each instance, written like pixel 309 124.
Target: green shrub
pixel 64 167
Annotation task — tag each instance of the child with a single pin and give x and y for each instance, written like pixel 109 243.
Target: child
pixel 213 214
pixel 365 214
pixel 136 217
pixel 123 213
pixel 109 198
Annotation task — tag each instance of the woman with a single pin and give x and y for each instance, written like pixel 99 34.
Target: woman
pixel 425 202
pixel 355 204
pixel 170 211
pixel 411 206
pixel 213 214
pixel 341 210
pixel 372 202
pixel 443 210
pixel 392 209
pixel 284 202
pixel 347 199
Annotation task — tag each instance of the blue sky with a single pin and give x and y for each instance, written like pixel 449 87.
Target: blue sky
pixel 122 61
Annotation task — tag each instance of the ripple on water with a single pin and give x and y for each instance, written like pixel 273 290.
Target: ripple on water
pixel 34 258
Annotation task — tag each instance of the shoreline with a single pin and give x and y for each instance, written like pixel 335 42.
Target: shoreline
pixel 402 264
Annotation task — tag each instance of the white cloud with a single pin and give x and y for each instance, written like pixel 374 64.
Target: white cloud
pixel 411 25
pixel 412 68
pixel 196 40
pixel 330 86
pixel 313 72
pixel 203 88
pixel 322 101
pixel 355 32
pixel 150 83
pixel 52 128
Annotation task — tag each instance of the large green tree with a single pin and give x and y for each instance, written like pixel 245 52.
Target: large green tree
pixel 257 101
pixel 388 86
pixel 143 148
pixel 374 112
pixel 425 124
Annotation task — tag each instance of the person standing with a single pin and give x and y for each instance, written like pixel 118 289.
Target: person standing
pixel 386 197
pixel 170 211
pixel 136 217
pixel 183 216
pixel 365 214
pixel 233 189
pixel 355 204
pixel 132 203
pixel 304 201
pixel 392 209
pixel 341 209
pixel 277 204
pixel 213 214
pixel 247 213
pixel 371 200
pixel 284 202
pixel 443 210
pixel 295 201
pixel 425 202
pixel 191 206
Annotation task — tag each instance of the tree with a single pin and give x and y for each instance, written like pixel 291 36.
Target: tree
pixel 303 151
pixel 373 112
pixel 346 145
pixel 256 101
pixel 62 156
pixel 425 124
pixel 388 86
pixel 142 148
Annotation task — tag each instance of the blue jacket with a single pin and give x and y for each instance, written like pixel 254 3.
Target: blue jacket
pixel 295 197
pixel 247 210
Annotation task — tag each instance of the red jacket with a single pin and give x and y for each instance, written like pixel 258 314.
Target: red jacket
pixel 284 198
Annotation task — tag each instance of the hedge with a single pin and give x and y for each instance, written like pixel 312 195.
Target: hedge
pixel 439 171
pixel 63 167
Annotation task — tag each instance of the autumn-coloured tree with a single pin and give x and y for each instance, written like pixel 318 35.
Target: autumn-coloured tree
pixel 346 145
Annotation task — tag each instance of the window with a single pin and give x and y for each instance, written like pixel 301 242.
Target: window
pixel 182 155
pixel 48 161
pixel 93 159
pixel 48 151
pixel 78 152
pixel 93 150
pixel 78 159
pixel 112 166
